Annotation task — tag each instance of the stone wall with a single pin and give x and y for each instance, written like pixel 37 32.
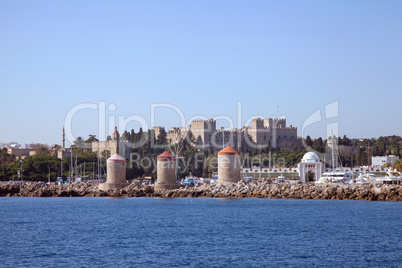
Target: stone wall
pixel 101 146
pixel 166 172
pixel 116 172
pixel 229 167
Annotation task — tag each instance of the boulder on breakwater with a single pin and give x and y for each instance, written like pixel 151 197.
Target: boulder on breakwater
pixel 235 190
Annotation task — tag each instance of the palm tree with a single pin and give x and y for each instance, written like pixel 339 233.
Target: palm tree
pixel 91 138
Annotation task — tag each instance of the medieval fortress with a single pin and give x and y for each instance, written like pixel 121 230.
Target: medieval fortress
pixel 262 133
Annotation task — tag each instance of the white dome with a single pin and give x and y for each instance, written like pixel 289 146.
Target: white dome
pixel 310 157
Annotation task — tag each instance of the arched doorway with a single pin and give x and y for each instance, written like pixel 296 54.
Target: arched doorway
pixel 310 176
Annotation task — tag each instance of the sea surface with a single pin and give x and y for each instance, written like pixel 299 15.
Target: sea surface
pixel 199 232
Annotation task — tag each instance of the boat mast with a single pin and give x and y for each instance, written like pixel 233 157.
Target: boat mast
pixel 223 140
pixel 333 157
pixel 76 166
pixel 269 170
pixel 71 165
pixel 106 157
pixel 260 164
pixel 100 167
pixel 368 155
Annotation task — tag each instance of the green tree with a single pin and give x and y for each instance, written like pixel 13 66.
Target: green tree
pixel 132 136
pixel 36 168
pixel 309 142
pixel 5 173
pixel 383 148
pixel 78 142
pixel 162 137
pixel 5 157
pixel 140 135
pixel 42 150
pixel 398 165
pixel 358 159
pixel 91 138
pixel 345 141
pixel 125 136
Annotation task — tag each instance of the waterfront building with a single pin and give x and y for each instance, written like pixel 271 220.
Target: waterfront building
pixel 310 168
pixel 379 161
pixel 17 152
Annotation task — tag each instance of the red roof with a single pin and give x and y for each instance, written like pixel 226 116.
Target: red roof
pixel 228 150
pixel 166 156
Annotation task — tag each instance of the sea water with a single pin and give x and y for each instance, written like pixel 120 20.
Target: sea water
pixel 198 232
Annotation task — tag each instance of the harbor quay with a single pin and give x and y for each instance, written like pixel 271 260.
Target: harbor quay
pixel 241 189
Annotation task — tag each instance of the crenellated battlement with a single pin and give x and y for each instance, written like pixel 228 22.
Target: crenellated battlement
pixel 285 128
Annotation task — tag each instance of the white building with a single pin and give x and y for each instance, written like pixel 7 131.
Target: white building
pixel 378 161
pixel 310 168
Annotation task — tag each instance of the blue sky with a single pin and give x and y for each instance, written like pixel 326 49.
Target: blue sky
pixel 203 57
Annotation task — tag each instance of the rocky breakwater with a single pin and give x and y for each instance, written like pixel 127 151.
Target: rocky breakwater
pixel 293 191
pixel 235 190
pixel 41 189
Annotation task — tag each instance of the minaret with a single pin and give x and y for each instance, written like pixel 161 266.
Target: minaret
pixel 63 139
pixel 116 138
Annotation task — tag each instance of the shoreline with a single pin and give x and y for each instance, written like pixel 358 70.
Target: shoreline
pixel 237 190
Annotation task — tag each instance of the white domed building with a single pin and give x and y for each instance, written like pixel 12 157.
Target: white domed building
pixel 310 168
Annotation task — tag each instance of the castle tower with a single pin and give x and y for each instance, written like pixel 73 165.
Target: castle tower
pixel 116 173
pixel 166 166
pixel 229 162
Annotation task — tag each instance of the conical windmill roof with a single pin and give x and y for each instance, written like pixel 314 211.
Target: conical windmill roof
pixel 166 156
pixel 116 159
pixel 228 150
